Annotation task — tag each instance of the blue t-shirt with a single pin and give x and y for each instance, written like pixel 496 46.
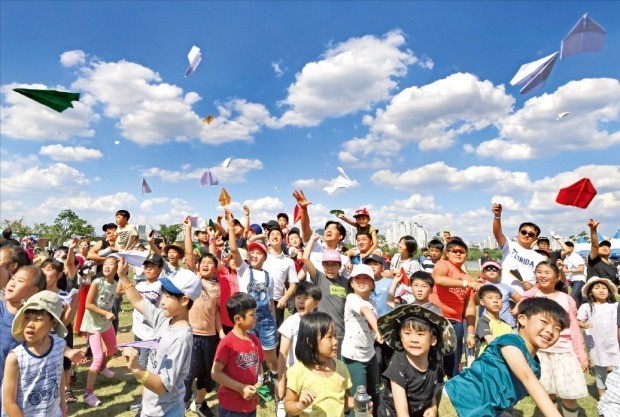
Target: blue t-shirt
pixel 7 341
pixel 489 386
pixel 504 313
pixel 379 295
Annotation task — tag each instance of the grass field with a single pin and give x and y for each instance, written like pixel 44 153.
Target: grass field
pixel 116 394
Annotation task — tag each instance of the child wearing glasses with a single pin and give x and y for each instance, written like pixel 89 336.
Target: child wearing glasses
pixel 491 275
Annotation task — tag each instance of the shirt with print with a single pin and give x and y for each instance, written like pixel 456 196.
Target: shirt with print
pixel 359 338
pixel 517 258
pixel 106 293
pixel 171 361
pixel 317 260
pixel 334 296
pixel 150 292
pixel 127 237
pixel 241 359
pixel 419 386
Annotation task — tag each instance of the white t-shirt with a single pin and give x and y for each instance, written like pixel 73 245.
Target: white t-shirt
pixel 259 279
pixel 281 269
pixel 317 260
pixel 573 261
pixel 516 257
pixel 359 338
pixel 127 237
pixel 289 329
pixel 150 292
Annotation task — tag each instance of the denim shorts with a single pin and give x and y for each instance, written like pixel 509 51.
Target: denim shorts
pixel 265 330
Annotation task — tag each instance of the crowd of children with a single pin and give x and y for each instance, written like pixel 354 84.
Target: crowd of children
pixel 271 312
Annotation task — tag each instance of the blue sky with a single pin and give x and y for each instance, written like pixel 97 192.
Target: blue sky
pixel 411 99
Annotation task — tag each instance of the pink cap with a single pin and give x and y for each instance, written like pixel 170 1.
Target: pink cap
pixel 491 263
pixel 331 256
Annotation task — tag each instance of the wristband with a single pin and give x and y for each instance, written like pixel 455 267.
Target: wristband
pixel 497 217
pixel 126 287
pixel 465 284
pixel 144 378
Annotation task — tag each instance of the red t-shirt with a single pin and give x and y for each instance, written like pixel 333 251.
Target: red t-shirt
pixel 241 359
pixel 228 287
pixel 451 300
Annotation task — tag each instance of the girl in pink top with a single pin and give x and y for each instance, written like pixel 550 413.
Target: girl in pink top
pixel 562 365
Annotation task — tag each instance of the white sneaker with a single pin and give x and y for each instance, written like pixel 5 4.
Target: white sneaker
pixel 280 409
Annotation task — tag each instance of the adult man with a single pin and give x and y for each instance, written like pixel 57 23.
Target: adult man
pixel 334 233
pixel 485 258
pixel 281 269
pixel 107 242
pixel 599 264
pixel 519 260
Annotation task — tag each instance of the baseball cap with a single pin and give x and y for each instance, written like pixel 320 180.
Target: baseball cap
pixel 154 259
pixel 256 228
pixel 257 246
pixel 492 263
pixel 199 230
pixel 544 239
pixel 605 243
pixel 271 224
pixel 175 247
pixel 43 300
pixel 361 212
pixel 331 256
pixel 362 269
pixel 109 226
pixel 294 231
pixel 373 257
pixel 182 282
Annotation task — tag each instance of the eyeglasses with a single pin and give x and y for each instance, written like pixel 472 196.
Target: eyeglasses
pixel 458 251
pixel 526 233
pixel 491 268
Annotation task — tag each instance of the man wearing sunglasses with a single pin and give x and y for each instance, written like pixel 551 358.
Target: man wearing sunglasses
pixel 518 259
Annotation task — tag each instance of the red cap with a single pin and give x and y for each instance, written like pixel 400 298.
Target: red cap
pixel 361 212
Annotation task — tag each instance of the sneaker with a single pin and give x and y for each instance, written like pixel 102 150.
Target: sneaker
pixel 107 373
pixel 280 409
pixel 204 410
pixel 136 406
pixel 190 405
pixel 92 400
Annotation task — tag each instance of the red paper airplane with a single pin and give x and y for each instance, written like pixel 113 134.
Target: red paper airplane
pixel 580 194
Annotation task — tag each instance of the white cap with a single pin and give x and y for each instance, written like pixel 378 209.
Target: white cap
pixel 362 269
pixel 182 282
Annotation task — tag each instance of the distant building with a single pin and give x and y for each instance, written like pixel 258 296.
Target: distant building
pixel 396 230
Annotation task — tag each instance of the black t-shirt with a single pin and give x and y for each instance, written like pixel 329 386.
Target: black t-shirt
pixel 420 387
pixel 598 268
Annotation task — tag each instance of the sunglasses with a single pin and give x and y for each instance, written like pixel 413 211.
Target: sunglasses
pixel 458 251
pixel 491 268
pixel 526 233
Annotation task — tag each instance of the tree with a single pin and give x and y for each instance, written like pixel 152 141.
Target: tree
pixel 583 234
pixel 18 227
pixel 68 223
pixel 170 232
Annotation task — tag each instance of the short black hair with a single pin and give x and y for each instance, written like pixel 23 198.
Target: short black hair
pixel 411 244
pixel 6 233
pixel 423 276
pixel 416 323
pixel 456 241
pixel 275 229
pixel 210 256
pixel 190 303
pixel 363 233
pixel 312 327
pixel 532 225
pixel 436 243
pixel 283 215
pixel 488 289
pixel 308 289
pixel 123 213
pixel 546 307
pixel 569 244
pixel 339 226
pixel 239 304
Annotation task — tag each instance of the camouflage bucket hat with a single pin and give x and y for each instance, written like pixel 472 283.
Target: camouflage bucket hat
pixel 390 323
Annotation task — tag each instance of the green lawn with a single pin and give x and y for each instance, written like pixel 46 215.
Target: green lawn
pixel 118 393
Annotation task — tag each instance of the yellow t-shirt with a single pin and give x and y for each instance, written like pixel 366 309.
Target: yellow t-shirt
pixel 330 391
pixel 487 325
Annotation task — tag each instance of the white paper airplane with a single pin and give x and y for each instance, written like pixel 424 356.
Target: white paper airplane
pixel 226 162
pixel 194 58
pixel 585 36
pixel 562 115
pixel 534 74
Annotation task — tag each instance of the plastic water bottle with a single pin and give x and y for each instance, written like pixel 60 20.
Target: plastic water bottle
pixel 362 402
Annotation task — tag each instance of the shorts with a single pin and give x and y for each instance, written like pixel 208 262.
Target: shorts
pixel 227 413
pixel 265 330
pixel 600 376
pixel 561 375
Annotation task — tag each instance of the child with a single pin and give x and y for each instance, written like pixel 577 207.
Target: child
pixel 127 233
pixel 360 318
pixel 508 366
pixel 420 288
pixel 413 378
pixel 318 385
pixel 599 317
pixel 307 298
pixel 363 241
pixel 609 404
pixel 563 363
pixel 490 325
pixel 435 252
pixel 382 285
pixel 492 274
pixel 333 286
pixel 295 251
pixel 283 223
pixel 168 365
pixel 362 224
pixel 238 361
pixel 33 373
pixel 97 323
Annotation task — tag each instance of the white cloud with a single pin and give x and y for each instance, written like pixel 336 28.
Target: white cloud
pixel 438 174
pixel 72 58
pixel 534 132
pixel 24 118
pixel 433 116
pixel 57 177
pixel 507 202
pixel 88 205
pixel 235 173
pixel 70 153
pixel 317 183
pixel 277 69
pixel 426 63
pixel 351 76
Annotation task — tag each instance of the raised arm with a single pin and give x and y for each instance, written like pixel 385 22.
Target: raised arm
pixel 593 224
pixel 306 258
pixel 128 288
pixel 497 225
pixel 190 257
pixel 70 266
pixel 93 253
pixel 246 226
pixel 345 219
pixel 232 242
pixel 303 203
